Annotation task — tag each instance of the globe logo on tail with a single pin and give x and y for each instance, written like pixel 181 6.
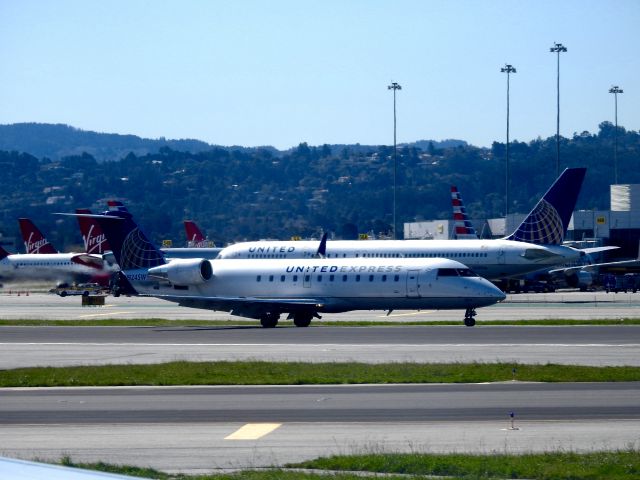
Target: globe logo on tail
pixel 542 226
pixel 138 252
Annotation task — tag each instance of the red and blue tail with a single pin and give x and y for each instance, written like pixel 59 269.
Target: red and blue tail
pixel 462 226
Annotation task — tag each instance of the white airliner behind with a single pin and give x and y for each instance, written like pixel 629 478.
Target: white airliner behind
pixel 536 243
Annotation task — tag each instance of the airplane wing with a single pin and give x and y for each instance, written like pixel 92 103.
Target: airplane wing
pixel 25 470
pixel 598 249
pixel 251 307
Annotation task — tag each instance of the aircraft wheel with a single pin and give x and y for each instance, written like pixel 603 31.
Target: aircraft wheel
pixel 302 319
pixel 270 320
pixel 63 294
pixel 469 321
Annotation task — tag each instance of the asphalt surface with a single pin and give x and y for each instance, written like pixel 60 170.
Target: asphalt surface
pixel 65 346
pixel 199 429
pixel 344 403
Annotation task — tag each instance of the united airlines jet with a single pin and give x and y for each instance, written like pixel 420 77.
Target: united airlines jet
pixel 535 244
pixel 299 288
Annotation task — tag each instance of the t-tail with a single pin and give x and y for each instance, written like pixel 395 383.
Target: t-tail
pixel 195 238
pixel 131 247
pixel 93 237
pixel 461 224
pixel 34 240
pixel 548 221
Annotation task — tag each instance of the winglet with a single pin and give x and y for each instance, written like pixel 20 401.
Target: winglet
pixel 322 248
pixel 547 223
pixel 34 240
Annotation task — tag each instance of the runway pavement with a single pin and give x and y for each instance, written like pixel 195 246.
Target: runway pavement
pixel 194 429
pixel 61 346
pixel 577 305
pixel 202 429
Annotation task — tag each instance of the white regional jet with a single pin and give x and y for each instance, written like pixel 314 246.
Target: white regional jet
pixel 536 243
pixel 301 288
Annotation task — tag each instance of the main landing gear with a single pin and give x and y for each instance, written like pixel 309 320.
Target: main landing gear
pixel 269 320
pixel 469 321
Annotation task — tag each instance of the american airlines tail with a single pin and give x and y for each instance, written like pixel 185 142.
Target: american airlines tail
pixel 547 223
pixel 195 238
pixel 462 226
pixel 93 237
pixel 34 240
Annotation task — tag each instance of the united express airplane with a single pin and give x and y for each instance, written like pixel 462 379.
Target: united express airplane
pixel 299 288
pixel 536 243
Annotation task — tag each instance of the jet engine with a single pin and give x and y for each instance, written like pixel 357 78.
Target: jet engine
pixel 192 271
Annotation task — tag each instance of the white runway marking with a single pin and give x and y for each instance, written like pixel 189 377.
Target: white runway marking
pixel 334 345
pixel 104 314
pixel 253 431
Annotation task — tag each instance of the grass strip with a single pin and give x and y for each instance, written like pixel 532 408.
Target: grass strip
pixel 620 465
pixel 160 322
pixel 299 373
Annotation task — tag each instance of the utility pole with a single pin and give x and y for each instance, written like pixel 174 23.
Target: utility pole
pixel 558 48
pixel 615 90
pixel 394 86
pixel 508 69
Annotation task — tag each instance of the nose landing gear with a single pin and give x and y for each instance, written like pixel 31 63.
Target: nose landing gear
pixel 469 321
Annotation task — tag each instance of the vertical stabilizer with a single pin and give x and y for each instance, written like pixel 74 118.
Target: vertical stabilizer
pixel 547 223
pixel 195 238
pixel 93 237
pixel 462 228
pixel 130 246
pixel 34 240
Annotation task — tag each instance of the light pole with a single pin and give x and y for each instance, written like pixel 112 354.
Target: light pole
pixel 615 90
pixel 508 69
pixel 394 86
pixel 558 48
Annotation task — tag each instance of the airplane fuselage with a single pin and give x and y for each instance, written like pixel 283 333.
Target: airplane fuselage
pixel 56 267
pixel 491 259
pixel 330 285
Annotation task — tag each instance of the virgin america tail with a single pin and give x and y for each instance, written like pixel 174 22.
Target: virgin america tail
pixel 92 235
pixel 195 238
pixel 34 240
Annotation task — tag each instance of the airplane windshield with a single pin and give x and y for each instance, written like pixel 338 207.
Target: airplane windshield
pixel 456 272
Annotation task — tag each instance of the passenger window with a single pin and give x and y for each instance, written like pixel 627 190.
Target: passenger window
pixel 357 278
pixel 295 278
pixel 331 277
pixel 307 278
pixel 396 278
pixel 371 278
pixel 258 278
pixel 344 278
pixel 282 278
pixel 319 278
pixel 384 278
pixel 271 278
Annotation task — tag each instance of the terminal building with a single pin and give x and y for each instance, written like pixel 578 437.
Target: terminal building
pixel 619 226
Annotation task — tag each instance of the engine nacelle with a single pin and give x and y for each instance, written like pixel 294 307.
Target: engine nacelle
pixel 580 279
pixel 191 271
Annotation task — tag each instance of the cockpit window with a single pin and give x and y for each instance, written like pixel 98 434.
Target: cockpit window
pixel 456 272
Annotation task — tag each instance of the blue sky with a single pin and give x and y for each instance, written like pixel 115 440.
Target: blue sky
pixel 250 73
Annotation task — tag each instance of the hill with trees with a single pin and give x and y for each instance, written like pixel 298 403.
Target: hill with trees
pixel 244 194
